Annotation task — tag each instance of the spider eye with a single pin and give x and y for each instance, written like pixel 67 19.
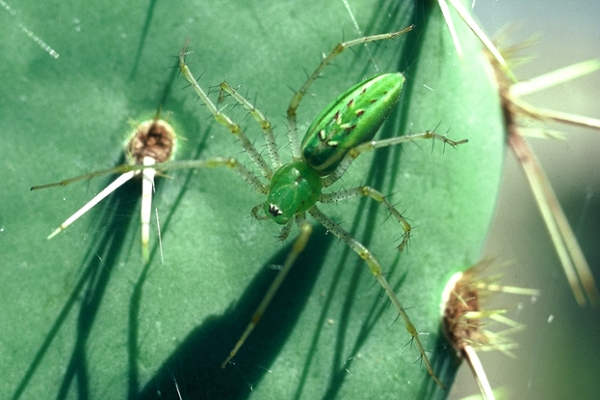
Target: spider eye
pixel 274 210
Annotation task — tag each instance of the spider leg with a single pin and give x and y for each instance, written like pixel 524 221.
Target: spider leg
pixel 297 248
pixel 375 268
pixel 223 119
pixel 377 144
pixel 214 162
pixel 259 117
pixel 367 191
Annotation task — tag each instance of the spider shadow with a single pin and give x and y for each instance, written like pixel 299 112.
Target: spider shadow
pixel 109 238
pixel 98 263
pixel 194 368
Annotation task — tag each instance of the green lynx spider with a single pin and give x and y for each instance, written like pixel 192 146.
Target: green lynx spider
pixel 342 132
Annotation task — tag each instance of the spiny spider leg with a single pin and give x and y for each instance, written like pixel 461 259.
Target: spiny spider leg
pixel 121 169
pixel 377 144
pixel 256 212
pixel 375 268
pixel 285 231
pixel 265 124
pixel 297 98
pixel 297 248
pixel 367 191
pixel 215 162
pixel 223 119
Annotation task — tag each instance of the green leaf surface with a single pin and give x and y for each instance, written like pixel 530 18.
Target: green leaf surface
pixel 83 317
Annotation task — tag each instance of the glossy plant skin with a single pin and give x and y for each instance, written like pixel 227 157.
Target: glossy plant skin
pixel 200 281
pixel 339 134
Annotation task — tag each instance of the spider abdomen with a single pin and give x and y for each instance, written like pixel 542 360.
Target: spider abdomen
pixel 351 119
